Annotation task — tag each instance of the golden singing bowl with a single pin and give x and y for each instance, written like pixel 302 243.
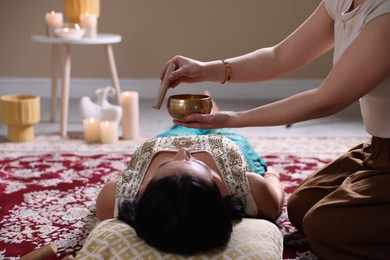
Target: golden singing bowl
pixel 182 105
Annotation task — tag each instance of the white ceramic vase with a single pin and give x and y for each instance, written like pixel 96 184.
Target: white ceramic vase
pixel 101 109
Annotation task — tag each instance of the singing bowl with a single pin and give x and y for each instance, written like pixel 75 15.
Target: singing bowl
pixel 182 105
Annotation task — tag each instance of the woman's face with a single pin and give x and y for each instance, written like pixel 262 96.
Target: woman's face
pixel 183 162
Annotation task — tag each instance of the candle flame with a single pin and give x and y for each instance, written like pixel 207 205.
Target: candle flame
pixel 92 120
pixel 52 13
pixel 66 29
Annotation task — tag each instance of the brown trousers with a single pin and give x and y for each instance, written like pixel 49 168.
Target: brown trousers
pixel 344 208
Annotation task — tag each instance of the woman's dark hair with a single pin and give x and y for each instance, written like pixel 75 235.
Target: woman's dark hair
pixel 182 214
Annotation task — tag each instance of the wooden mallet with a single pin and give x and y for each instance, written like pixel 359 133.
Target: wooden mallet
pixel 162 91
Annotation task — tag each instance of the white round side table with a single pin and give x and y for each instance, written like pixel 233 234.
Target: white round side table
pixel 64 64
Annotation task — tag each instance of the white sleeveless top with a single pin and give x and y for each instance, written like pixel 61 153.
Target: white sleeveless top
pixel 225 153
pixel 374 106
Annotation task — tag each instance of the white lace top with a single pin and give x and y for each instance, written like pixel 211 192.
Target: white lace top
pixel 225 153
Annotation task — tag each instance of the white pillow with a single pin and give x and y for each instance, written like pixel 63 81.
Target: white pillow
pixel 251 238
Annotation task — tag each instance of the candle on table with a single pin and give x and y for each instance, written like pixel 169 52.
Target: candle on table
pixel 130 115
pixel 88 22
pixel 53 21
pixel 91 129
pixel 69 31
pixel 108 132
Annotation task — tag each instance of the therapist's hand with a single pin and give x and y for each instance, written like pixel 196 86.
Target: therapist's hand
pixel 186 71
pixel 209 121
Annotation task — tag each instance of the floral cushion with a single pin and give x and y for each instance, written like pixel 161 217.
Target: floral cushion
pixel 251 238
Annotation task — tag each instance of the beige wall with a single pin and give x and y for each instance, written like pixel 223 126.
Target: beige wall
pixel 152 32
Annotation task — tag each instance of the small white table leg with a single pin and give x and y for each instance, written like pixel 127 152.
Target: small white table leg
pixel 54 80
pixel 114 73
pixel 65 89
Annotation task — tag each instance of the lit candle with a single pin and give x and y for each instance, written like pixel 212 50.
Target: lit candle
pixel 130 115
pixel 89 23
pixel 108 132
pixel 91 130
pixel 53 21
pixel 69 31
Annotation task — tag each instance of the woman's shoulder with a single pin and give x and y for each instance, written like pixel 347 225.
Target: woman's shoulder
pixel 336 7
pixel 370 9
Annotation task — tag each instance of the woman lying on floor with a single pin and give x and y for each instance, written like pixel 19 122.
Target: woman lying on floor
pixel 182 189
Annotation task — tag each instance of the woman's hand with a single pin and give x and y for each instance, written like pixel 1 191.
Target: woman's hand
pixel 210 121
pixel 187 71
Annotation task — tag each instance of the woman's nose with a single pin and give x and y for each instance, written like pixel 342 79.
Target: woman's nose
pixel 183 154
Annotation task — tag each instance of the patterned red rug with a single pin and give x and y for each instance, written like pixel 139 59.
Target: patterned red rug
pixel 48 187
